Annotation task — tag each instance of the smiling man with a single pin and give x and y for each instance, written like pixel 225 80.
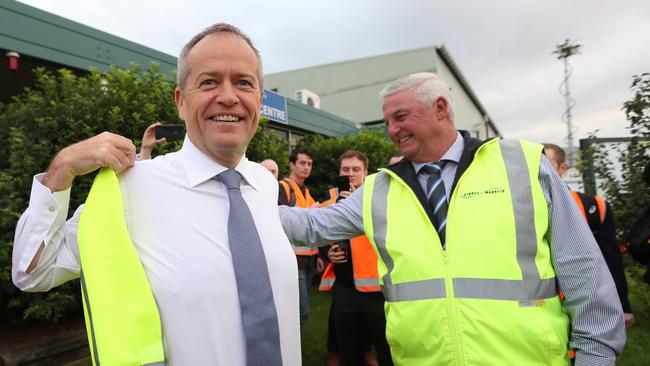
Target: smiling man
pixel 209 248
pixel 473 238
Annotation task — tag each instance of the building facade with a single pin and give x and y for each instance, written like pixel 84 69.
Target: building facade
pixel 350 89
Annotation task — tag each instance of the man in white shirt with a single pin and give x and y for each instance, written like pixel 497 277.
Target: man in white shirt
pixel 177 212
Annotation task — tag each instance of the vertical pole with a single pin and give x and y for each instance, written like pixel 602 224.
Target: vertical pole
pixel 569 106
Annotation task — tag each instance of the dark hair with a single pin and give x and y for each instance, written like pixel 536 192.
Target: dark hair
pixel 354 154
pixel 293 157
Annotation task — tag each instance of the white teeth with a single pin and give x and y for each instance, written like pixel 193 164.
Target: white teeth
pixel 404 139
pixel 224 118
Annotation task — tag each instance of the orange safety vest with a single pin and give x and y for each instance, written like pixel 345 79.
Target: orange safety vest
pixel 334 193
pixel 364 267
pixel 302 200
pixel 599 202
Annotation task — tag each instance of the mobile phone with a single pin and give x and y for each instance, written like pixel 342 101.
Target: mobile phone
pixel 170 132
pixel 343 183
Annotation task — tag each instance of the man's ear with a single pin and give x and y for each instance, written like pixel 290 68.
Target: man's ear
pixel 180 105
pixel 563 168
pixel 442 108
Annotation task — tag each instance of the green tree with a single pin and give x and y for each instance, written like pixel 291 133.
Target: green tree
pixel 626 191
pixel 268 145
pixel 326 153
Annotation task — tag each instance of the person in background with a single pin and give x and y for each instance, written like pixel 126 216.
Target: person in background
pixel 357 311
pixel 600 217
pixel 149 141
pixel 210 278
pixel 293 192
pixel 272 166
pixel 397 157
pixel 473 240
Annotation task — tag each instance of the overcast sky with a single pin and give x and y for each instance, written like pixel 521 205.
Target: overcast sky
pixel 504 48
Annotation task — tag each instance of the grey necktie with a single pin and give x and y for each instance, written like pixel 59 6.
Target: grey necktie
pixel 258 312
pixel 437 197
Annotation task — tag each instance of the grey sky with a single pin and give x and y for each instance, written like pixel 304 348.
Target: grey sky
pixel 502 47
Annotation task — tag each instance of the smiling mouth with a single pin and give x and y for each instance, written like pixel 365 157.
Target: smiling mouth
pixel 404 139
pixel 224 118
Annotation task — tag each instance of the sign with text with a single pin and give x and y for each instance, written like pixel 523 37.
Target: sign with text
pixel 274 107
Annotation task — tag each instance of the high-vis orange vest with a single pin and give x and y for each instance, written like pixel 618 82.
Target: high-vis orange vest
pixel 364 267
pixel 304 201
pixel 334 193
pixel 589 212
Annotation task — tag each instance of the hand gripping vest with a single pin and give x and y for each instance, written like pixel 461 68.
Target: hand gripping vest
pixel 122 319
pixel 490 298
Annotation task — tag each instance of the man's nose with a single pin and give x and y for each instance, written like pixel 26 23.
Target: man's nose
pixel 227 94
pixel 392 128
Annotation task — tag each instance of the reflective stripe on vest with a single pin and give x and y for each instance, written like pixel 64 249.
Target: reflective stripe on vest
pixel 364 267
pixel 122 319
pixel 304 201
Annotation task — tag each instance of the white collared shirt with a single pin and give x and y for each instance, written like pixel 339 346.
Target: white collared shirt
pixel 177 216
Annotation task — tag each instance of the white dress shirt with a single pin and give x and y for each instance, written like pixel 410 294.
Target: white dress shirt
pixel 177 215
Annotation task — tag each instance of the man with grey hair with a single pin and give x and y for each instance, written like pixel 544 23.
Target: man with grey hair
pixel 200 230
pixel 475 241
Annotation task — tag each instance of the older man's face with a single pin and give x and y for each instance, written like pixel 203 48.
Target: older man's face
pixel 220 103
pixel 412 127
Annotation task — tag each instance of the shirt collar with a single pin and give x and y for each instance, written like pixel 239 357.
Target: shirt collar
pixel 453 154
pixel 200 167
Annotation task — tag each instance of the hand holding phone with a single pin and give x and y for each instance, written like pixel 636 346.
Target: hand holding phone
pixel 170 132
pixel 343 183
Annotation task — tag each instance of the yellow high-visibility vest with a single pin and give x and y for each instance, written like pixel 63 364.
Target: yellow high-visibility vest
pixel 490 297
pixel 122 319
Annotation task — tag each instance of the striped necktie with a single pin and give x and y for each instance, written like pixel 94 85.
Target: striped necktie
pixel 436 197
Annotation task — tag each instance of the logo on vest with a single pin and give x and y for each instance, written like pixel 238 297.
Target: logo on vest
pixel 472 194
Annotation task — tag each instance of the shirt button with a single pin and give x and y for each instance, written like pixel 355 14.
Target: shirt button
pixel 51 209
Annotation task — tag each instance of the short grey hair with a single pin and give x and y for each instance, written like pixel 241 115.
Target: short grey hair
pixel 184 69
pixel 427 88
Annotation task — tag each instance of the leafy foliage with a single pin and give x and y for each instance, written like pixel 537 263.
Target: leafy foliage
pixel 267 145
pixel 626 192
pixel 326 153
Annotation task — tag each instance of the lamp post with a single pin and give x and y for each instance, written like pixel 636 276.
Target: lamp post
pixel 564 51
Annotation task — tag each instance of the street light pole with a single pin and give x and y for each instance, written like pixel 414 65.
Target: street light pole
pixel 564 51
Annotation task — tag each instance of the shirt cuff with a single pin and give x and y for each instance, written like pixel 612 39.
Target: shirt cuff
pixel 584 359
pixel 53 207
